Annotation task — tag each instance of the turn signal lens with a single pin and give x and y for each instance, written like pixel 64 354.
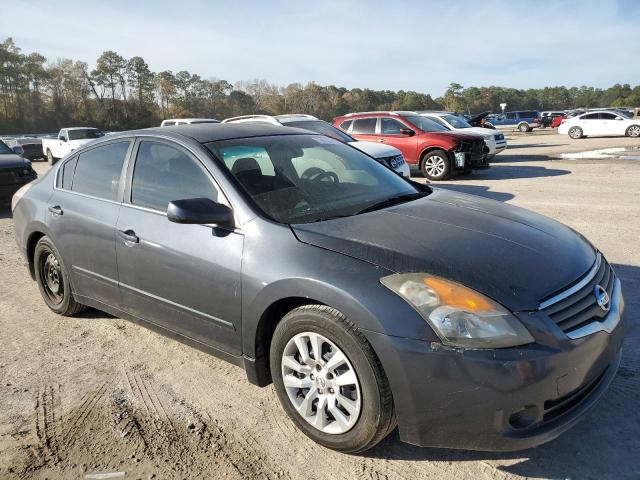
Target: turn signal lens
pixel 460 316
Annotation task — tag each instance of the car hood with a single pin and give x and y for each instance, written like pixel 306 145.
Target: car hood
pixel 376 150
pixel 458 134
pixel 479 131
pixel 12 160
pixel 508 253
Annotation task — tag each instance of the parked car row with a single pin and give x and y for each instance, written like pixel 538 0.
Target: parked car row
pixel 67 140
pixel 427 144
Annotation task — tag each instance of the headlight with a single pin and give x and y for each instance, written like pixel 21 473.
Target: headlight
pixel 460 316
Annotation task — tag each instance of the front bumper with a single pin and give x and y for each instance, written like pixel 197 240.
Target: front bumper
pixel 502 399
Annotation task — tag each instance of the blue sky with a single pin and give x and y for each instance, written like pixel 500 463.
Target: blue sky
pixel 419 45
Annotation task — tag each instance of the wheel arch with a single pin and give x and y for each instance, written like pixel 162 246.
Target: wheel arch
pixel 432 148
pixel 32 241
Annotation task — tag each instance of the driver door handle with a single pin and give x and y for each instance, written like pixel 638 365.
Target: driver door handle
pixel 128 236
pixel 381 140
pixel 55 209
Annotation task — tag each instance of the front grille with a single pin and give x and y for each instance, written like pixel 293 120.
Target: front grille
pixel 577 305
pixel 499 136
pixel 394 161
pixel 555 408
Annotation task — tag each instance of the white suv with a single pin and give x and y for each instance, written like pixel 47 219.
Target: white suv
pixel 493 139
pixel 385 154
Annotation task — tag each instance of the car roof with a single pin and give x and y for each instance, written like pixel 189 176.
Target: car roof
pixel 212 132
pixel 80 128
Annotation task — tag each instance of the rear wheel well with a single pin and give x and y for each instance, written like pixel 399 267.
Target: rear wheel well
pixel 267 325
pixel 31 248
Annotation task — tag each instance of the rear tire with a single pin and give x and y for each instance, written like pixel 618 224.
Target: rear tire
pixel 524 127
pixel 575 133
pixel 348 415
pixel 53 279
pixel 436 165
pixel 633 131
pixel 50 158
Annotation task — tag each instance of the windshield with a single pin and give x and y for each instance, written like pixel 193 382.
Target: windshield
pixel 426 124
pixel 455 121
pixel 4 149
pixel 84 133
pixel 308 178
pixel 323 128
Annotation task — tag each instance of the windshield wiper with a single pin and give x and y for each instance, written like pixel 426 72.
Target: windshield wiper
pixel 388 202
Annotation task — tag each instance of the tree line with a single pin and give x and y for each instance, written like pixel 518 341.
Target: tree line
pixel 38 95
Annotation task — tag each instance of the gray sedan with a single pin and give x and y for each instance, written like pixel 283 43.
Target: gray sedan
pixel 368 300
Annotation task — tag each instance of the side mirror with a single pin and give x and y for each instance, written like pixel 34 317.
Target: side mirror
pixel 619 118
pixel 200 211
pixel 407 131
pixel 62 139
pixel 18 150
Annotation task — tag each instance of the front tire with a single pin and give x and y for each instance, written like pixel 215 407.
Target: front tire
pixel 633 131
pixel 436 165
pixel 575 133
pixel 53 279
pixel 329 380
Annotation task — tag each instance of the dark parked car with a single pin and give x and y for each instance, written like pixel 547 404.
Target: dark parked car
pixel 15 171
pixel 367 299
pixel 31 147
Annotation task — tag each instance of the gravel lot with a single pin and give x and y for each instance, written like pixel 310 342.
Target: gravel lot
pixel 95 394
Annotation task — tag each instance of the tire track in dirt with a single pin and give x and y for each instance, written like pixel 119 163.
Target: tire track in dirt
pixel 48 424
pixel 82 413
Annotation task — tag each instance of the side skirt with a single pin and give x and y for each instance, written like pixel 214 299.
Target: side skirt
pixel 254 368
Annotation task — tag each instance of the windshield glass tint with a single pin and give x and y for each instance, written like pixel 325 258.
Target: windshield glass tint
pixel 323 128
pixel 426 124
pixel 456 122
pixel 4 149
pixel 307 178
pixel 84 133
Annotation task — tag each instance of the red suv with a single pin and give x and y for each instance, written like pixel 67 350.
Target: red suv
pixel 425 144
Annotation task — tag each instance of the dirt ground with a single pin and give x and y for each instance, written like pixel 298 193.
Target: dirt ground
pixel 97 394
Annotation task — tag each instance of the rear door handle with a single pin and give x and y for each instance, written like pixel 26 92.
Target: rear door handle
pixel 55 209
pixel 128 236
pixel 381 140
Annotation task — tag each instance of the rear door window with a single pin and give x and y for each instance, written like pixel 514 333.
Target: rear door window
pixel 591 116
pixel 365 126
pixel 98 170
pixel 608 116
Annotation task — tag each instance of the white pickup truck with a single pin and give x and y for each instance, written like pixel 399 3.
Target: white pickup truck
pixel 68 140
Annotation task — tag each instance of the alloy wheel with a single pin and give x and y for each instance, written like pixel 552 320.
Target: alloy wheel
pixel 575 132
pixel 434 165
pixel 634 131
pixel 321 383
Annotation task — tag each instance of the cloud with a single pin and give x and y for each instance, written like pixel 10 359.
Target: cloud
pixel 384 45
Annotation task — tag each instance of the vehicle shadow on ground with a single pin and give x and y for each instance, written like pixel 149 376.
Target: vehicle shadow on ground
pixel 519 158
pixel 5 211
pixel 536 145
pixel 507 172
pixel 601 446
pixel 480 190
